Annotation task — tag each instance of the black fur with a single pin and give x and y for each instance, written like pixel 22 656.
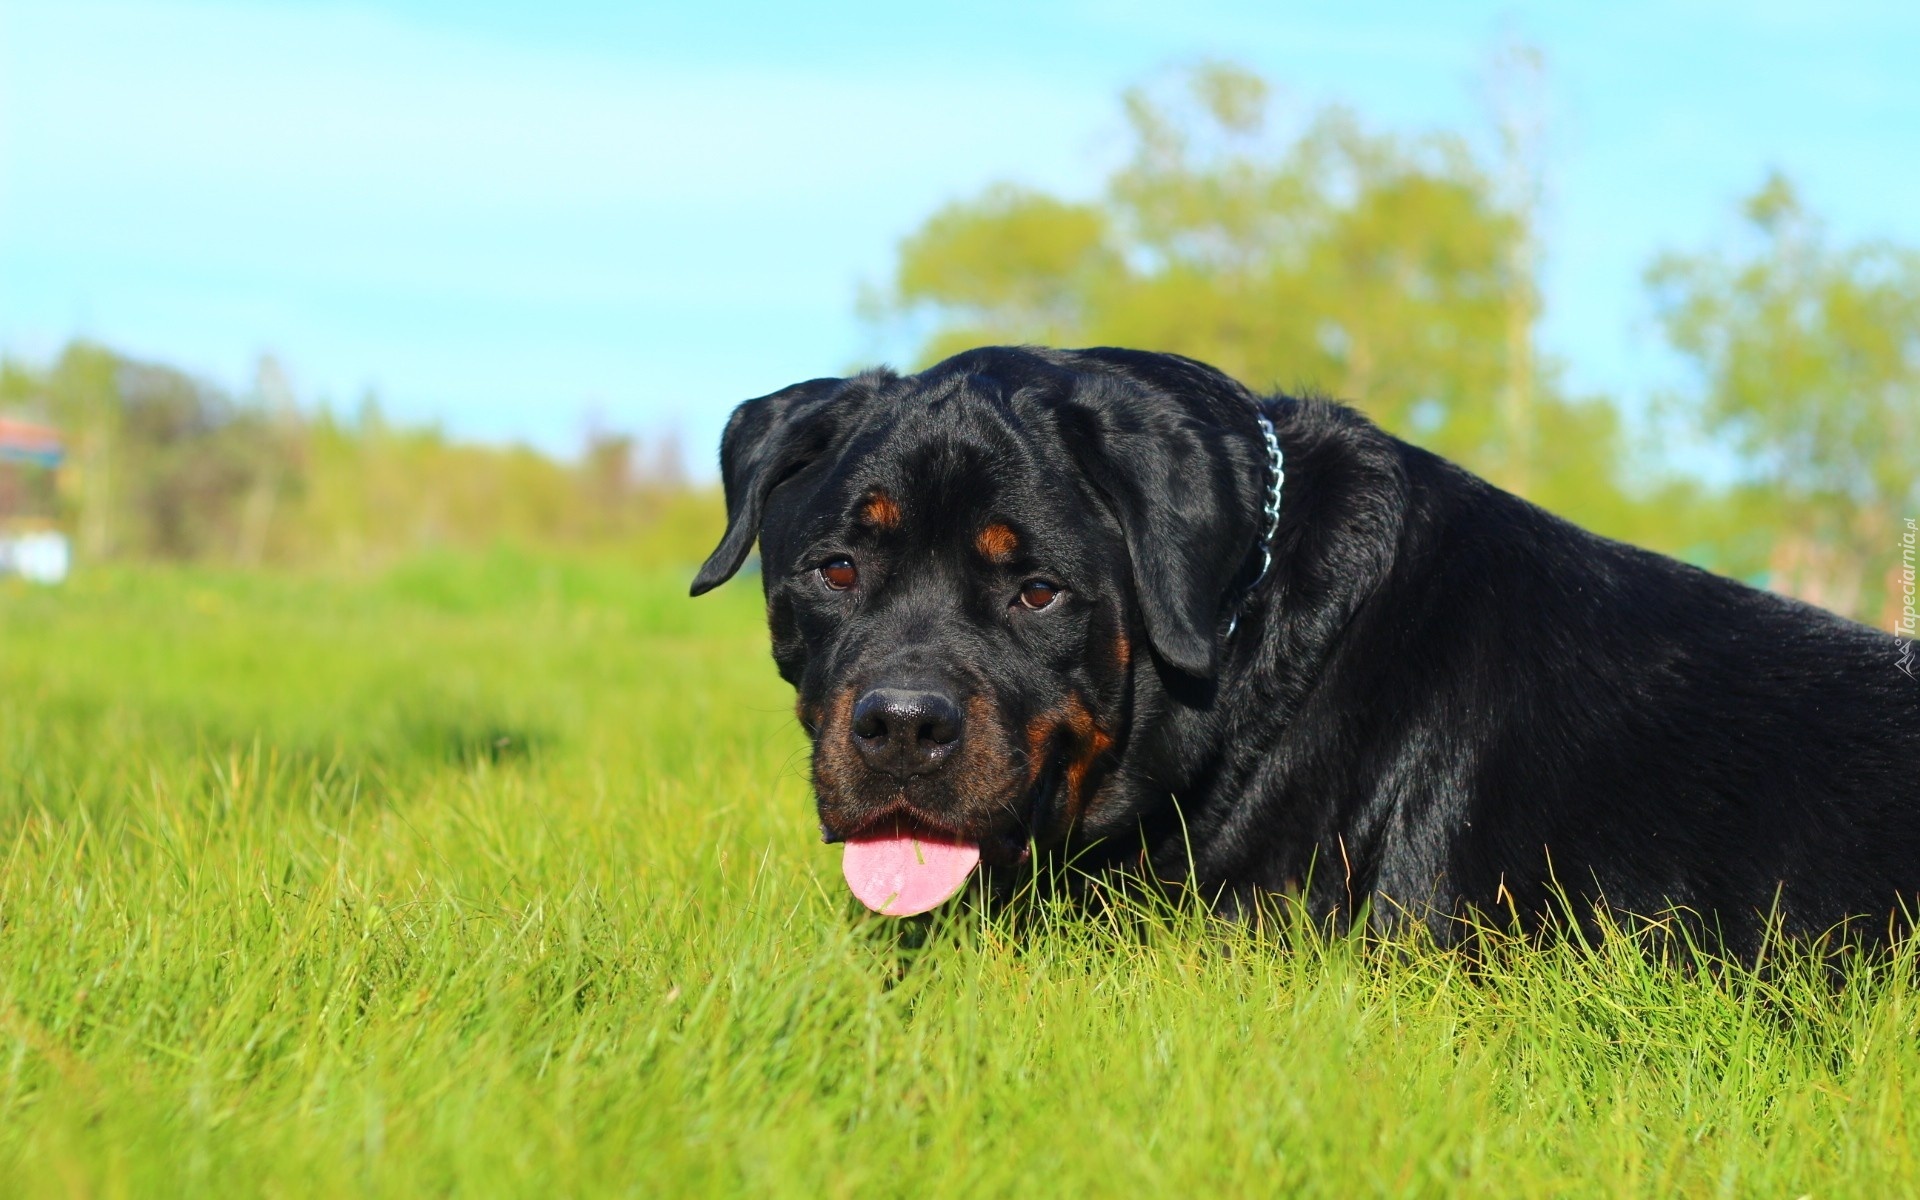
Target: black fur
pixel 1441 699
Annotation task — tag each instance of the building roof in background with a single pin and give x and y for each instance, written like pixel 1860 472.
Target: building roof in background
pixel 27 441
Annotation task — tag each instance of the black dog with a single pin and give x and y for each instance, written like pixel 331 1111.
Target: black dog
pixel 1026 599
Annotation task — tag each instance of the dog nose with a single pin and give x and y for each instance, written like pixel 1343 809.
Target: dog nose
pixel 904 731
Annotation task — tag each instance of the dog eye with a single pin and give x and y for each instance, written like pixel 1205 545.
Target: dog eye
pixel 1037 594
pixel 839 574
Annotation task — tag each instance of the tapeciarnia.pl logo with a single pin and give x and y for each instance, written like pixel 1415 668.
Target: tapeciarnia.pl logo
pixel 1905 629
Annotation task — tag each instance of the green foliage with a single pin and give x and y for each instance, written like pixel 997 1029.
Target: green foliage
pixel 1399 273
pixel 1807 357
pixel 496 875
pixel 1020 262
pixel 1378 267
pixel 165 466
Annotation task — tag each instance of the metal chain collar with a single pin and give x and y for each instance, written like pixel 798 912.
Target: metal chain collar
pixel 1276 467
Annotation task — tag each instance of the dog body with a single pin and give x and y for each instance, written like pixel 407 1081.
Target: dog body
pixel 1021 596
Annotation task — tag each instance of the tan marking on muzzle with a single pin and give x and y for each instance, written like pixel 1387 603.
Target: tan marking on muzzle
pixel 1089 743
pixel 1085 742
pixel 834 761
pixel 985 763
pixel 1039 732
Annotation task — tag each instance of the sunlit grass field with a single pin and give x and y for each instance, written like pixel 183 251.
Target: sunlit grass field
pixel 497 875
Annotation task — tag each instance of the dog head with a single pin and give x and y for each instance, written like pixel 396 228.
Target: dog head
pixel 986 581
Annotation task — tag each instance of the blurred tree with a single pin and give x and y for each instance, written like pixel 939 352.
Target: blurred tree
pixel 1807 357
pixel 1388 270
pixel 164 465
pixel 277 458
pixel 187 458
pixel 80 396
pixel 1516 85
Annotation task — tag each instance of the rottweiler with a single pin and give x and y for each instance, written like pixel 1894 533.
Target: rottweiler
pixel 1113 605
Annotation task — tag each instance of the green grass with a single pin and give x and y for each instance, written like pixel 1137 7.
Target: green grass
pixel 498 876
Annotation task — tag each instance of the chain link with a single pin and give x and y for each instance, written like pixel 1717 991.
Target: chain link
pixel 1276 467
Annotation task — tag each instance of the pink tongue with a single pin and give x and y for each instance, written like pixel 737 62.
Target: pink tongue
pixel 901 875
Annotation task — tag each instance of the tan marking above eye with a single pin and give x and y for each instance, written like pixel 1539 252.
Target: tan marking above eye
pixel 880 510
pixel 997 543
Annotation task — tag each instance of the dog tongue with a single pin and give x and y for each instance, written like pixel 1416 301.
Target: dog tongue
pixel 903 874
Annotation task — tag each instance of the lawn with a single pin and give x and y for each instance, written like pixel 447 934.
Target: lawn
pixel 496 874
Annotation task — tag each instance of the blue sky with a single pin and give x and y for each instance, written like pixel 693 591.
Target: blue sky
pixel 507 217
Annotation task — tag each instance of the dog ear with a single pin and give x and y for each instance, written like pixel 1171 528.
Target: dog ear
pixel 1173 447
pixel 766 441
